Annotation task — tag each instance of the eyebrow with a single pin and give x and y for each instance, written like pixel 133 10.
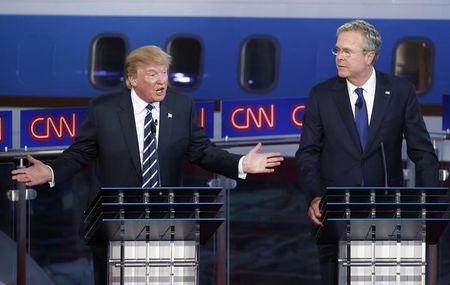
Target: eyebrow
pixel 155 70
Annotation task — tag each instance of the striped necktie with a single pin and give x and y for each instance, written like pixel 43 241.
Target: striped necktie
pixel 150 157
pixel 361 117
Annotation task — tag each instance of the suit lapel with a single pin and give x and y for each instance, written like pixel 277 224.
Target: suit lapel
pixel 128 126
pixel 343 104
pixel 165 127
pixel 381 101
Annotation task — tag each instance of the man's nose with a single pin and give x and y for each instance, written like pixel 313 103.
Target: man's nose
pixel 161 77
pixel 340 56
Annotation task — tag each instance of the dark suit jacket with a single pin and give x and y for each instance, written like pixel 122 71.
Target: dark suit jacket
pixel 108 137
pixel 330 152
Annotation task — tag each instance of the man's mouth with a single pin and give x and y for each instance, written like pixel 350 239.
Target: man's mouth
pixel 160 91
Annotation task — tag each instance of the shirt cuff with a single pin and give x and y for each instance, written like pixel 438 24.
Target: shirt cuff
pixel 52 182
pixel 241 173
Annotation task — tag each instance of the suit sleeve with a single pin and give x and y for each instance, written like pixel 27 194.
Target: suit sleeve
pixel 80 153
pixel 206 154
pixel 308 155
pixel 419 147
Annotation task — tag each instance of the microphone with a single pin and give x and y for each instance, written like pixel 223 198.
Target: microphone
pixel 153 125
pixel 159 168
pixel 383 155
pixel 153 129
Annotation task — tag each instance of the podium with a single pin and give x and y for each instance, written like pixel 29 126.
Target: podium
pixel 383 232
pixel 154 234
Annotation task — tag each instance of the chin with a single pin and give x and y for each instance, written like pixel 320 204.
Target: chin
pixel 342 74
pixel 160 98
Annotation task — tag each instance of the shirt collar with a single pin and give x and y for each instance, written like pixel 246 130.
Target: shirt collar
pixel 368 85
pixel 140 105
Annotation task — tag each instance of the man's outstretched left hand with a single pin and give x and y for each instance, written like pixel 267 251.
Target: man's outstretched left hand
pixel 256 162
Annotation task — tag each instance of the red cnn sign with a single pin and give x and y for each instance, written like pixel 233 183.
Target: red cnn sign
pixel 297 112
pixel 248 118
pixel 245 118
pixel 205 116
pixel 5 129
pixel 46 127
pixel 202 117
pixel 50 127
pixel 2 131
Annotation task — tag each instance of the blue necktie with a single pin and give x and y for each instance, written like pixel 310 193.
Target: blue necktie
pixel 361 117
pixel 150 156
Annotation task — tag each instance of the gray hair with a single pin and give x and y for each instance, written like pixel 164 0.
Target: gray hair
pixel 372 38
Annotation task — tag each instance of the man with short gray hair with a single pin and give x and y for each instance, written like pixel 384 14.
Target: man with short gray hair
pixel 347 121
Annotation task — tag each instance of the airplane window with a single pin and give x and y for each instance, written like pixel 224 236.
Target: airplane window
pixel 185 70
pixel 258 64
pixel 107 62
pixel 414 61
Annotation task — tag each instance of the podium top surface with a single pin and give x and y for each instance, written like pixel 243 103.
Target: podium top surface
pixel 388 200
pixel 157 194
pixel 163 189
pixel 354 211
pixel 129 212
pixel 389 189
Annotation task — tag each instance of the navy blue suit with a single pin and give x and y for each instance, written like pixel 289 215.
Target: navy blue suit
pixel 108 138
pixel 330 153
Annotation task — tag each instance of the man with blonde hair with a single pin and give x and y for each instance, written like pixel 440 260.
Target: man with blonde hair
pixel 113 135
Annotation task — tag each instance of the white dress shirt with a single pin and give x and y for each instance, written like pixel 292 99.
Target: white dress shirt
pixel 140 111
pixel 369 94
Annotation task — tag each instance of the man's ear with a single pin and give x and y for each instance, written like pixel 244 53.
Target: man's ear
pixel 370 57
pixel 132 80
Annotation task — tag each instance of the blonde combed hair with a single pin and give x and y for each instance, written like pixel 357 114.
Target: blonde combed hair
pixel 145 55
